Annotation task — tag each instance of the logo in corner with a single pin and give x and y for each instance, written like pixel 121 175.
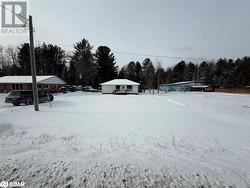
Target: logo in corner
pixel 14 17
pixel 4 184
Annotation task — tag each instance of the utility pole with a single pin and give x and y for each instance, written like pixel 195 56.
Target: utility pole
pixel 33 66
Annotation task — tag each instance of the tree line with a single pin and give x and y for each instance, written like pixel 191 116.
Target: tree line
pixel 226 73
pixel 83 67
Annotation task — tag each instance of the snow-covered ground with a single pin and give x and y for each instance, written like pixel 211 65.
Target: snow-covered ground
pixel 95 140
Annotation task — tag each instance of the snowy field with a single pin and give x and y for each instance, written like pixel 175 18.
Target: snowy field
pixel 94 140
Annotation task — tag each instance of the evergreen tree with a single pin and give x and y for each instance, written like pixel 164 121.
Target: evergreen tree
pixel 203 73
pixel 196 73
pixel 189 71
pixel 148 73
pixel 220 72
pixel 24 59
pixel 50 60
pixel 138 72
pixel 107 69
pixel 242 70
pixel 84 64
pixel 130 71
pixel 169 75
pixel 210 74
pixel 178 71
pixel 72 74
pixel 122 72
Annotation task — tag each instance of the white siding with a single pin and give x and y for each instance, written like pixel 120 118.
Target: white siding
pixel 134 89
pixel 108 89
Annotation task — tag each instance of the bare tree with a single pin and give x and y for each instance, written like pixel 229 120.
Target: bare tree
pixel 160 73
pixel 11 55
pixel 2 56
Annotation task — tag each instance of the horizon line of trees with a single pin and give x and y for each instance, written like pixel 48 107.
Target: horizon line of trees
pixel 227 73
pixel 83 67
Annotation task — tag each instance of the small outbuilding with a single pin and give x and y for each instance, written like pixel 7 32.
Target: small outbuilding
pixel 48 83
pixel 120 86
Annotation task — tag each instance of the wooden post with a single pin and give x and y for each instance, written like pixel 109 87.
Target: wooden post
pixel 49 100
pixel 33 66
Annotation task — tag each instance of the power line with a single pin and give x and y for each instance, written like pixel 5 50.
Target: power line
pixel 56 43
pixel 162 56
pixel 140 54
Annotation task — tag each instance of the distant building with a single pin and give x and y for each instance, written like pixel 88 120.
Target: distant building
pixel 206 88
pixel 48 83
pixel 183 86
pixel 120 86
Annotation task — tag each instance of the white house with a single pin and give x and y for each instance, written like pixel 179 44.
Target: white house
pixel 120 86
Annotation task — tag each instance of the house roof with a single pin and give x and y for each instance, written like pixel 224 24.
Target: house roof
pixel 120 82
pixel 28 79
pixel 179 83
pixel 200 86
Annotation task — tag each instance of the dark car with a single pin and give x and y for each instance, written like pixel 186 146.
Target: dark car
pixel 89 89
pixel 67 88
pixel 26 97
pixel 63 89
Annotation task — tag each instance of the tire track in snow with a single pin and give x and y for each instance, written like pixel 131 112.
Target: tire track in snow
pixel 172 101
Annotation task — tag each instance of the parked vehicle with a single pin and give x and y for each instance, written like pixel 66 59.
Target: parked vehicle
pixel 89 89
pixel 63 89
pixel 86 88
pixel 67 88
pixel 26 97
pixel 72 88
pixel 79 88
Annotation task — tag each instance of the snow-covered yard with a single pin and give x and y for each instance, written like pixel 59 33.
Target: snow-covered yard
pixel 161 140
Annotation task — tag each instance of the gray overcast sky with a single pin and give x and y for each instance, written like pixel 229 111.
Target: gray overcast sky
pixel 186 28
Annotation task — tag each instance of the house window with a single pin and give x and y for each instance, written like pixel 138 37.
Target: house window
pixel 129 87
pixel 117 87
pixel 46 86
pixel 17 86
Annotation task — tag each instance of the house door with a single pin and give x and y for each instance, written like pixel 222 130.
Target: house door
pixel 117 87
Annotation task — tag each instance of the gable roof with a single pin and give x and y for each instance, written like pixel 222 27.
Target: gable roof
pixel 28 79
pixel 120 82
